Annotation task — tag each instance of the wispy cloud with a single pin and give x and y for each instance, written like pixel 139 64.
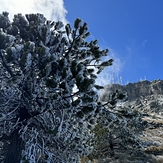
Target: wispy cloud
pixel 128 49
pixel 144 42
pixel 52 9
pixel 111 74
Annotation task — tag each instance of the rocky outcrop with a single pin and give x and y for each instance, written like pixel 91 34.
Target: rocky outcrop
pixel 134 90
pixel 147 98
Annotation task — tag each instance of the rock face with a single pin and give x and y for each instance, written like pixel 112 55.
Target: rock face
pixel 147 98
pixel 135 90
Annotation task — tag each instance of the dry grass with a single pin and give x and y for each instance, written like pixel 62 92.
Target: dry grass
pixel 154 150
pixel 155 120
pixel 86 159
pixel 157 159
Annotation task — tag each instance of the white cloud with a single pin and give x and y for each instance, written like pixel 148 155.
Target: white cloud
pixel 55 10
pixel 52 9
pixel 111 74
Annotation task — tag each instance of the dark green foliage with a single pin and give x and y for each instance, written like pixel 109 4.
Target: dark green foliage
pixel 80 114
pixel 68 29
pixel 76 102
pixel 77 23
pixel 48 87
pixel 9 57
pixel 87 109
pixel 4 20
pixel 4 40
pixel 121 96
pixel 51 83
pixel 13 30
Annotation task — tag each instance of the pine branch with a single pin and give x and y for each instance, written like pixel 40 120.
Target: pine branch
pixel 4 137
pixel 5 64
pixel 76 93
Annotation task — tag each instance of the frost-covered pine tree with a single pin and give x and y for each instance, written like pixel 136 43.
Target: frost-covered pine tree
pixel 48 97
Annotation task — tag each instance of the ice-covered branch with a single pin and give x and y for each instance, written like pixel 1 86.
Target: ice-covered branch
pixel 5 64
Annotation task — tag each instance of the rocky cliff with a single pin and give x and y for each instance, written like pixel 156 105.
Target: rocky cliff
pixel 135 90
pixel 147 98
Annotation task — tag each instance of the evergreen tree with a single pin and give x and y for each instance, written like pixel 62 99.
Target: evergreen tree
pixel 117 131
pixel 48 97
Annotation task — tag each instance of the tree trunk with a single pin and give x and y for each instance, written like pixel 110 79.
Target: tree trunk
pixel 14 149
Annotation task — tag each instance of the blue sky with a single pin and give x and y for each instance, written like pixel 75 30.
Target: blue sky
pixel 131 29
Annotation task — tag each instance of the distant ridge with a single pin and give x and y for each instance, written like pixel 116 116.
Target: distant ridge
pixel 134 90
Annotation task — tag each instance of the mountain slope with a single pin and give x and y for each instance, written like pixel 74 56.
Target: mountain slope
pixel 147 98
